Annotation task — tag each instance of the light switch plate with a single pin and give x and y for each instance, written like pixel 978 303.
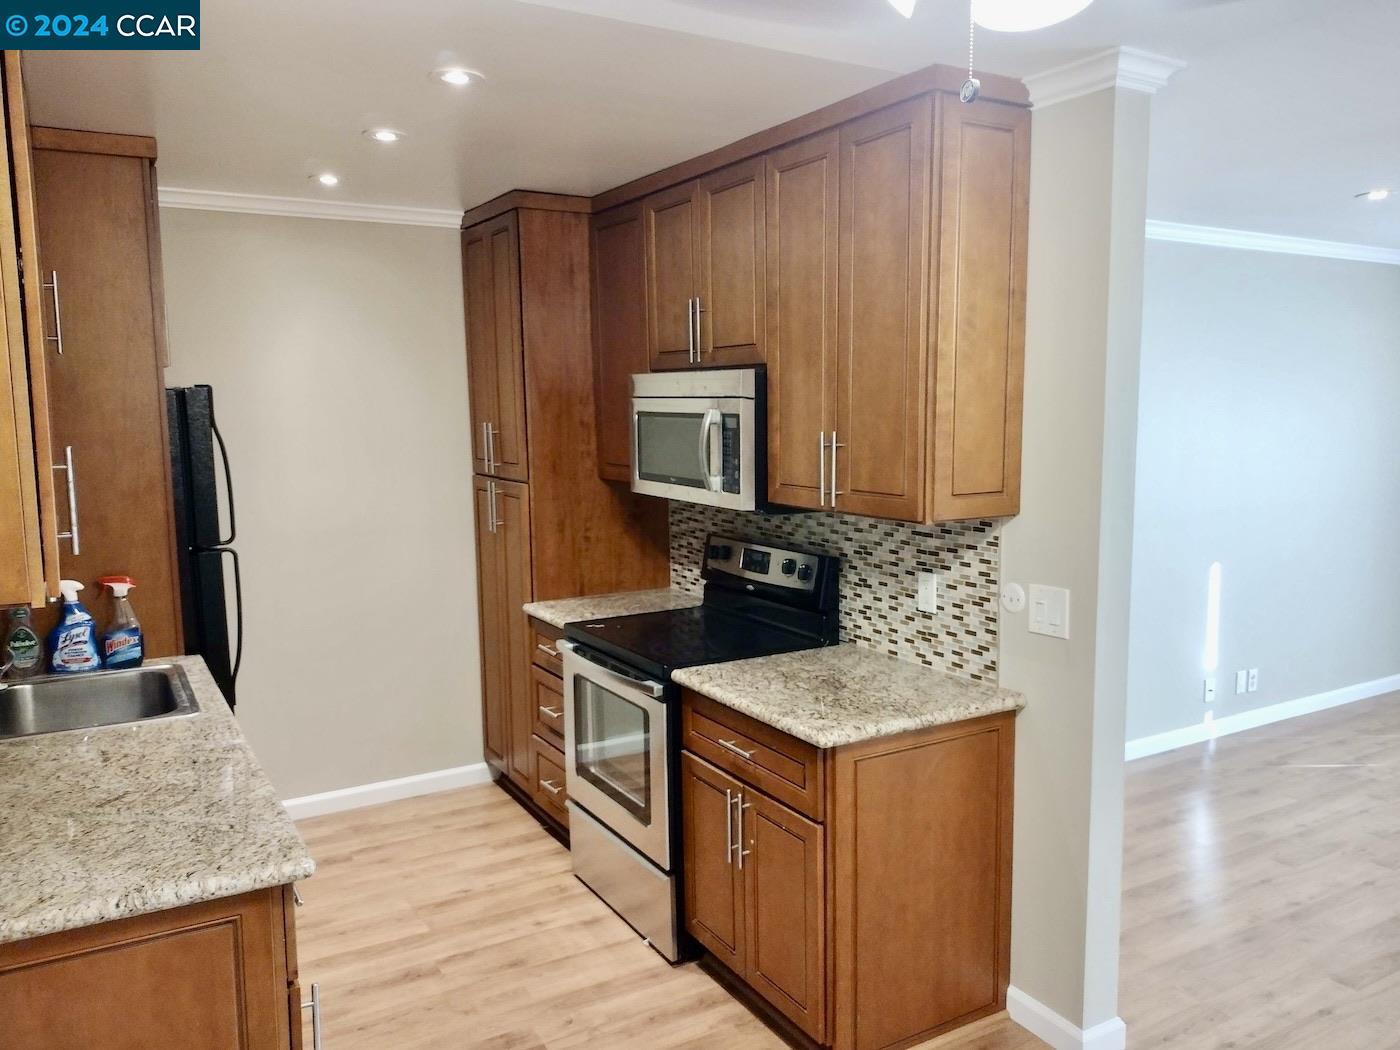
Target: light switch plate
pixel 927 600
pixel 1049 608
pixel 1253 679
pixel 1241 682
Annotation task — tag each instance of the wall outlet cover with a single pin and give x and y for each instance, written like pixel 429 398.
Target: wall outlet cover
pixel 927 601
pixel 1208 692
pixel 1253 679
pixel 1049 611
pixel 1241 682
pixel 1013 598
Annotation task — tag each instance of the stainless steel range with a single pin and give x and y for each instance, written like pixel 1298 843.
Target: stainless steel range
pixel 622 715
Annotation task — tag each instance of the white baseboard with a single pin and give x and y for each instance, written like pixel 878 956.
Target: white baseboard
pixel 1040 1020
pixel 386 791
pixel 1260 716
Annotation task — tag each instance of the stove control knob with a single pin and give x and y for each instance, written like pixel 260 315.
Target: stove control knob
pixel 721 552
pixel 804 572
pixel 789 566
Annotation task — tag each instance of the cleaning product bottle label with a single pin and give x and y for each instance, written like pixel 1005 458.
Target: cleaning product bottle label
pixel 74 649
pixel 122 648
pixel 25 650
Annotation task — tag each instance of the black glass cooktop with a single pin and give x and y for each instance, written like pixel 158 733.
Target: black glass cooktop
pixel 658 643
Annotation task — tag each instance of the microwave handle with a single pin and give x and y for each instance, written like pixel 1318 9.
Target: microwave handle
pixel 713 418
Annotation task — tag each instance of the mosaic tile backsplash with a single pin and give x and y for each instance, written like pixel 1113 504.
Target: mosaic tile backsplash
pixel 879 562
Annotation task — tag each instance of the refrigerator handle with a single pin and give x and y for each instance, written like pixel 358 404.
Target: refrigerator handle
pixel 238 610
pixel 228 490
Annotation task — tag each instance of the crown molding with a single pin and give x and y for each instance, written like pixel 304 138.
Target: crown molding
pixel 1120 67
pixel 305 208
pixel 1249 240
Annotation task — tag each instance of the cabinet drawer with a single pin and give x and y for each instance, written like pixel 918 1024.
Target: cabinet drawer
pixel 788 769
pixel 548 698
pixel 543 651
pixel 547 779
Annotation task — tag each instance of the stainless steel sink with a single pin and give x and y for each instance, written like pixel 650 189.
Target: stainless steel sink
pixel 56 703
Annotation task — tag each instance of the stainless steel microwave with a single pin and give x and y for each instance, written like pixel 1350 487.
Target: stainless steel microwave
pixel 701 436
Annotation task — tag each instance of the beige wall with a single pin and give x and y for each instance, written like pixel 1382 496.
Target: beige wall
pixel 1083 325
pixel 335 350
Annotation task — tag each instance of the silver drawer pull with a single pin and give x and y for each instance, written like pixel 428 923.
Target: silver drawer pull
pixel 548 650
pixel 730 745
pixel 551 787
pixel 551 712
pixel 72 534
pixel 314 1005
pixel 296 897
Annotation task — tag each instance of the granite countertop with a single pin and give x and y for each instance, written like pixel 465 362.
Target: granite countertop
pixel 106 823
pixel 560 611
pixel 843 694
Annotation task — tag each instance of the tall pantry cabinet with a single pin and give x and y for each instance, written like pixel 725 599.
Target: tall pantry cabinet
pixel 546 525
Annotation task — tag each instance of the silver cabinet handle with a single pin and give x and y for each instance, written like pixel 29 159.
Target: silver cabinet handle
pixel 730 745
pixel 690 330
pixel 296 897
pixel 742 852
pixel 699 336
pixel 712 419
pixel 72 533
pixel 492 507
pixel 491 446
pixel 486 447
pixel 314 1005
pixel 551 712
pixel 834 446
pixel 548 650
pixel 57 336
pixel 551 787
pixel 728 826
pixel 821 469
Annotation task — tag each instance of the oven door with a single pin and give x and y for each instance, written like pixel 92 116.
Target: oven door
pixel 616 763
pixel 696 449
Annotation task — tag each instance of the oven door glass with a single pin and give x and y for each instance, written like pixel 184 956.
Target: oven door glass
pixel 613 747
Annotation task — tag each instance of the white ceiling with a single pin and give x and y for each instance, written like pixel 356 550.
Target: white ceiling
pixel 1285 110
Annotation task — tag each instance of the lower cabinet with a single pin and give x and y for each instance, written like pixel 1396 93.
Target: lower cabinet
pixel 219 975
pixel 878 916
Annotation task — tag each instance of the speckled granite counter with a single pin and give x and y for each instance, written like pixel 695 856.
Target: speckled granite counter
pixel 845 693
pixel 105 823
pixel 624 603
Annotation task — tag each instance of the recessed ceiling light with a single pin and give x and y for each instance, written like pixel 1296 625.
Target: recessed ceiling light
pixel 327 178
pixel 383 134
pixel 1375 195
pixel 457 76
pixel 1020 16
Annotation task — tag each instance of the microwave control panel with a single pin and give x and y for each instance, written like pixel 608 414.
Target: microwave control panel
pixel 731 453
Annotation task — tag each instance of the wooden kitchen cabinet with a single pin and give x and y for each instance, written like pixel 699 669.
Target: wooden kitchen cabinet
pixel 495 352
pixel 620 347
pixel 29 528
pixel 105 354
pixel 881 916
pixel 565 532
pixel 705 270
pixel 219 975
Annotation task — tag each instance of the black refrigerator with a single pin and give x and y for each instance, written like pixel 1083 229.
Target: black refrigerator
pixel 203 535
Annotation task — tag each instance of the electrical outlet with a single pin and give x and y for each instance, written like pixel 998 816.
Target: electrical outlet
pixel 928 592
pixel 1208 691
pixel 1253 679
pixel 1241 682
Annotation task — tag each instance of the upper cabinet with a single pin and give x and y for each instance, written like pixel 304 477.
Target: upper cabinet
pixel 874 256
pixel 704 270
pixel 28 510
pixel 495 351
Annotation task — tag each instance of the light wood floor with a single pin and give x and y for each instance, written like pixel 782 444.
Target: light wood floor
pixel 1261 910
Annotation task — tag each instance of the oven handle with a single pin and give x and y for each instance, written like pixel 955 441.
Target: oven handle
pixel 713 418
pixel 622 681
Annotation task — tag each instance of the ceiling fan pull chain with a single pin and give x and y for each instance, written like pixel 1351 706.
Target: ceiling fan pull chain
pixel 972 87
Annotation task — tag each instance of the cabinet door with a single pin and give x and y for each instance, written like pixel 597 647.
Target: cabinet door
pixel 714 888
pixel 785 908
pixel 495 643
pixel 495 351
pixel 731 240
pixel 513 535
pixel 29 532
pixel 619 332
pixel 985 159
pixel 801 254
pixel 670 224
pixel 881 402
pixel 107 388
